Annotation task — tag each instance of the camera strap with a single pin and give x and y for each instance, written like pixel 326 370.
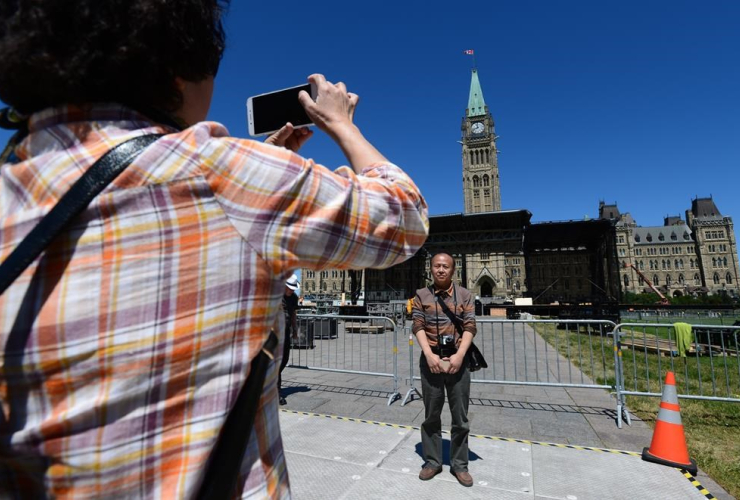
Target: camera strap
pixel 445 309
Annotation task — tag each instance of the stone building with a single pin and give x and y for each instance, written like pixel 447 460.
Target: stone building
pixel 500 255
pixel 696 255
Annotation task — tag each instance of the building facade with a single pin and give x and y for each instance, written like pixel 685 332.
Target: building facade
pixel 682 257
pixel 499 254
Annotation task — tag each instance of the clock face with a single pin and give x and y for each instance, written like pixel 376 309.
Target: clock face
pixel 477 128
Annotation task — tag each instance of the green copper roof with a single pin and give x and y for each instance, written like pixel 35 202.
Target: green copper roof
pixel 476 104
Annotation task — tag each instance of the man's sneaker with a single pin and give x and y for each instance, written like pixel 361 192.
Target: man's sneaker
pixel 463 478
pixel 429 472
pixel 282 401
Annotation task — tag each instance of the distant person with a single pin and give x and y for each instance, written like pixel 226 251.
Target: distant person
pixel 290 310
pixel 444 325
pixel 126 344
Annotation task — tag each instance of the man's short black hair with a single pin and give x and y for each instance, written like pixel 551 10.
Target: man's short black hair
pixel 444 253
pixel 124 51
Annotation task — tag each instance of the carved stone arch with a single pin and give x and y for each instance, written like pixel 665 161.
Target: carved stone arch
pixel 485 286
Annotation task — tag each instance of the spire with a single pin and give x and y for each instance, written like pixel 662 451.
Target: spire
pixel 476 104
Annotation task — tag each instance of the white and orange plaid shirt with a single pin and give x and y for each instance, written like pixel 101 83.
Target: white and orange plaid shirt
pixel 126 343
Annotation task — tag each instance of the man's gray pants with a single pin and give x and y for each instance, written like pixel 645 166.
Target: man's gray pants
pixel 433 388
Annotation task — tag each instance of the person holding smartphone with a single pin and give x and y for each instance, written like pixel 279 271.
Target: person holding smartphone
pixel 444 324
pixel 128 341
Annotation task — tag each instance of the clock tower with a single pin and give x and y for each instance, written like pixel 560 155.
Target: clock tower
pixel 481 191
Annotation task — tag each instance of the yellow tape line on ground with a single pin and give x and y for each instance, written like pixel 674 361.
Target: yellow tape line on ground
pixel 688 476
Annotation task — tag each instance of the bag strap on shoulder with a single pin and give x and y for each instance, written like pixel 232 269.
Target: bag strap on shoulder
pixel 74 201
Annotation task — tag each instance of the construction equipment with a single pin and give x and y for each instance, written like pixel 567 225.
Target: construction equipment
pixel 663 299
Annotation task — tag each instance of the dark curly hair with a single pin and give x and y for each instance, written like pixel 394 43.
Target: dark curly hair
pixel 56 52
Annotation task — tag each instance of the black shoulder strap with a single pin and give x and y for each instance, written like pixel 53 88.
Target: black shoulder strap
pixel 74 201
pixel 455 320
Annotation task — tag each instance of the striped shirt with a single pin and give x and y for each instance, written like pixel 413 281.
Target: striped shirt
pixel 126 343
pixel 428 316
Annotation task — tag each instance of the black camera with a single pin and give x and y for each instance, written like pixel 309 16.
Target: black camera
pixel 447 346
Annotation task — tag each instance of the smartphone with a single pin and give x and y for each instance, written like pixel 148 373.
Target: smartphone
pixel 267 113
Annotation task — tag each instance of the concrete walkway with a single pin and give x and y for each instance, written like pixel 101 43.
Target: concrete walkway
pixel 339 458
pixel 567 416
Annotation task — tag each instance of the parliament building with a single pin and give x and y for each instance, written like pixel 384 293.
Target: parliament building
pixel 500 255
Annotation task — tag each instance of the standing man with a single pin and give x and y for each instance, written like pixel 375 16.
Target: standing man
pixel 290 310
pixel 444 325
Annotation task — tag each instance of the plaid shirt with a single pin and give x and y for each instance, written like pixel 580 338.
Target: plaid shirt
pixel 142 320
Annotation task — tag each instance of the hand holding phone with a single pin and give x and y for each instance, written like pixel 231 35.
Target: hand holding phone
pixel 333 108
pixel 268 113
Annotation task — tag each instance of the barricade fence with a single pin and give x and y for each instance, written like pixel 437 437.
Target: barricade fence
pixel 628 359
pixel 546 353
pixel 704 358
pixel 366 345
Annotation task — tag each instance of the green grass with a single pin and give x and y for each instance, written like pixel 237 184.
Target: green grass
pixel 712 428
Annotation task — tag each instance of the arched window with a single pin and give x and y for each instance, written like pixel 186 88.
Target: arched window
pixel 674 237
pixel 485 180
pixel 642 266
pixel 661 237
pixel 716 279
pixel 488 158
pixel 476 181
pixel 662 262
pixel 714 262
pixel 651 265
pixel 724 262
pixel 675 264
pixel 728 278
pixel 637 238
pixel 655 279
pixel 680 279
pixel 477 157
pixel 471 157
pixel 697 281
pixel 668 280
pixel 649 237
pixel 626 281
pixel 680 264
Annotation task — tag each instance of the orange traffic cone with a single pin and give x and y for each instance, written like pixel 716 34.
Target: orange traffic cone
pixel 668 446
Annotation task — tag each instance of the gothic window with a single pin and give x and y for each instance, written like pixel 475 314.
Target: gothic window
pixel 662 262
pixel 471 157
pixel 680 264
pixel 641 281
pixel 637 238
pixel 642 267
pixel 724 262
pixel 680 279
pixel 477 157
pixel 674 237
pixel 728 278
pixel 675 264
pixel 668 280
pixel 655 279
pixel 485 180
pixel 697 281
pixel 714 262
pixel 716 279
pixel 651 265
pixel 661 237
pixel 488 158
pixel 649 237
pixel 626 281
pixel 685 235
pixel 476 181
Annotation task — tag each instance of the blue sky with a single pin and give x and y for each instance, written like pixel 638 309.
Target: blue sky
pixel 630 102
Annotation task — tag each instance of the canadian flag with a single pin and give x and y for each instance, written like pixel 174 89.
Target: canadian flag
pixel 468 52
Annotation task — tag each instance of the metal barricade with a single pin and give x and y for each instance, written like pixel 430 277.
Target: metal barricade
pixel 366 345
pixel 708 369
pixel 555 353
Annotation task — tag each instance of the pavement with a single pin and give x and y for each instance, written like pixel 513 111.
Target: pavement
pixel 344 440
